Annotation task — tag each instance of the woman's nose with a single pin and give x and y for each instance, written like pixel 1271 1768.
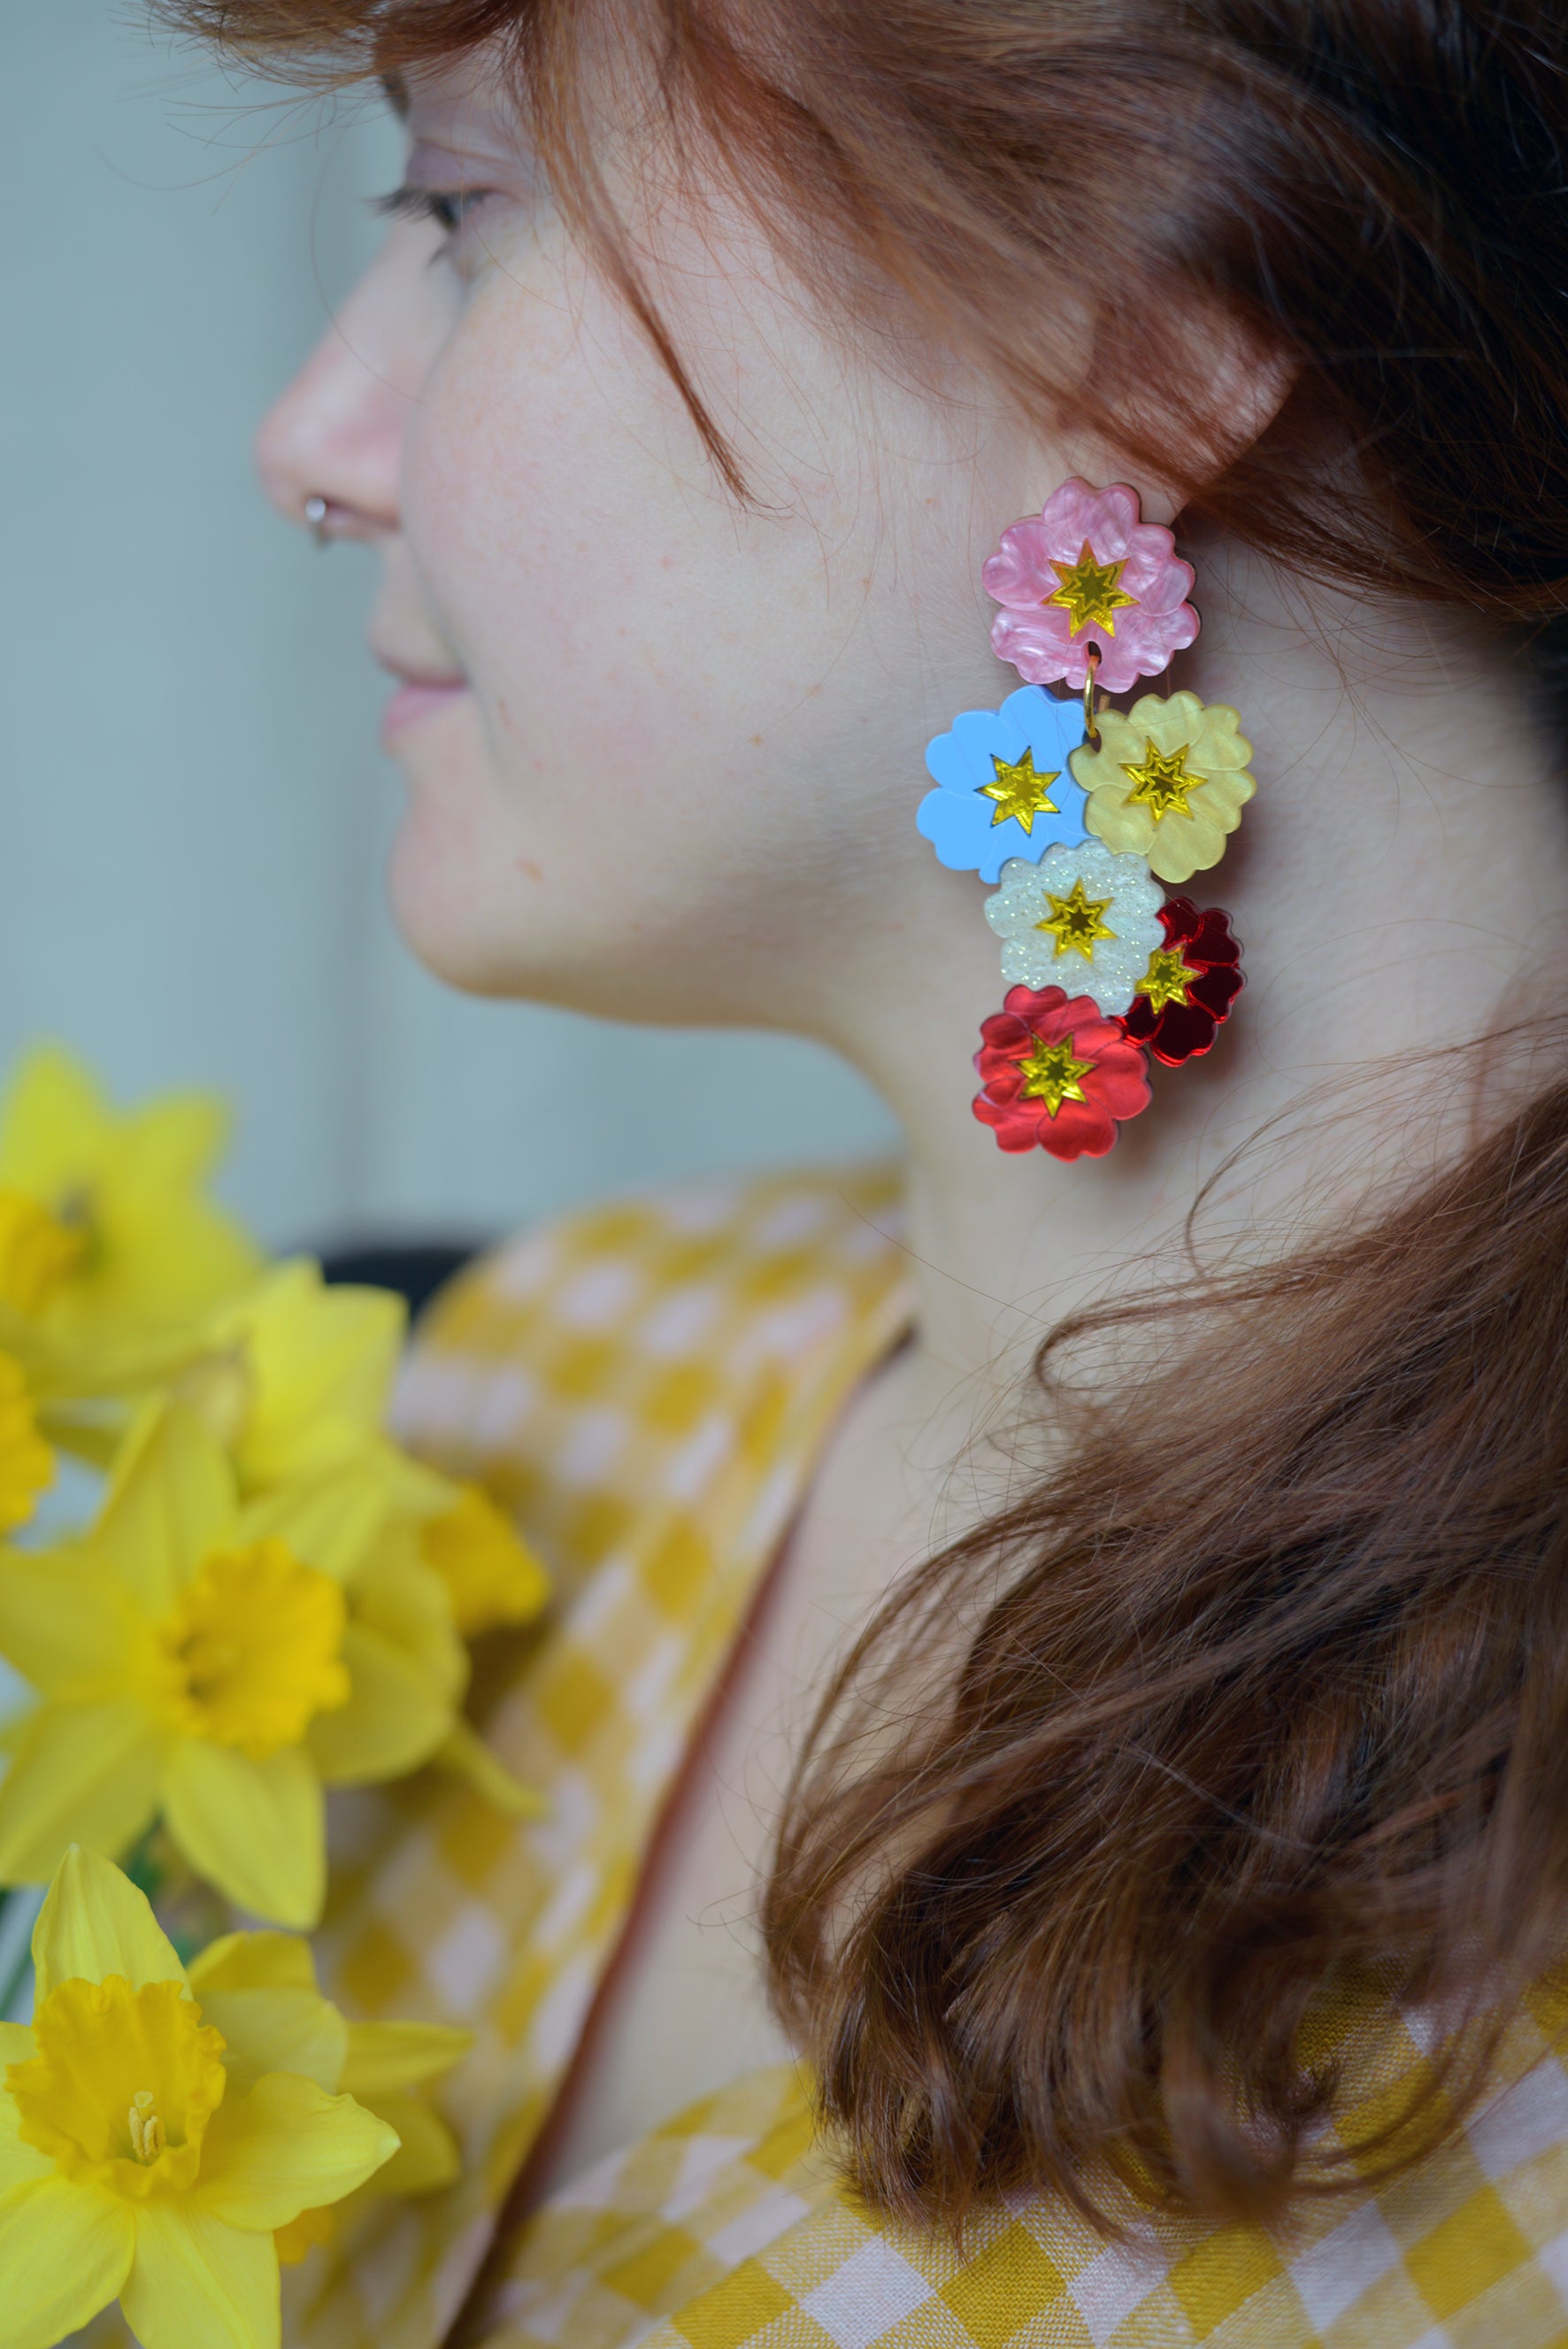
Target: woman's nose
pixel 335 434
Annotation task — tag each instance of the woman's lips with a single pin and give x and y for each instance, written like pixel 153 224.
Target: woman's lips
pixel 421 688
pixel 418 699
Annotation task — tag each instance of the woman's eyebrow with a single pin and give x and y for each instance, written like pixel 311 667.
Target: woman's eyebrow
pixel 396 89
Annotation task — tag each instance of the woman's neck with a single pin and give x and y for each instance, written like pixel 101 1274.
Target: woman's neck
pixel 1399 885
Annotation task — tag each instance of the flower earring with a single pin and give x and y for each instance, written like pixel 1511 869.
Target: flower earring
pixel 1078 811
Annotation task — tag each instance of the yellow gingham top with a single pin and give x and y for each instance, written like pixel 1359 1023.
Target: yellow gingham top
pixel 648 1386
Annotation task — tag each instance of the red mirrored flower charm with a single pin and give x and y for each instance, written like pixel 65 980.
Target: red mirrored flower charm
pixel 1058 1074
pixel 1190 984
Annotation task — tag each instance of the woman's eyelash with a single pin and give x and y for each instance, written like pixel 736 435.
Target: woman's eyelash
pixel 448 207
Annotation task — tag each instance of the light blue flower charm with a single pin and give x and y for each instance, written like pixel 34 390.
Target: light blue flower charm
pixel 1005 789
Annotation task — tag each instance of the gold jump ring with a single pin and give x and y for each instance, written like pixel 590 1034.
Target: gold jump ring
pixel 1090 673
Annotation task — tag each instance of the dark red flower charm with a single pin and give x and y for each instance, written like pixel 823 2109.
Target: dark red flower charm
pixel 1058 1075
pixel 1190 984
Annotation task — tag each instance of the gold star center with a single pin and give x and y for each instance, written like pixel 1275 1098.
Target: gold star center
pixel 1162 783
pixel 1075 921
pixel 1166 979
pixel 1019 792
pixel 1089 591
pixel 1052 1075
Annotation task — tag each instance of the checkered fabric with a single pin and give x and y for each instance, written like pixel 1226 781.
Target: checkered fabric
pixel 728 2230
pixel 647 1387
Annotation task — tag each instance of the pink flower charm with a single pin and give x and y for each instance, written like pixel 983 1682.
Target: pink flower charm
pixel 1089 572
pixel 1057 1075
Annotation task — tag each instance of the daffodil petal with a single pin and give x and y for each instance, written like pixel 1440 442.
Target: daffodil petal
pixel 396 1716
pixel 171 1502
pixel 254 1961
pixel 252 1829
pixel 408 1603
pixel 331 1523
pixel 82 1774
pixel 386 2055
pixel 323 1360
pixel 173 1140
pixel 53 1122
pixel 197 2284
pixel 21 2164
pixel 428 2155
pixel 95 1922
pixel 63 2253
pixel 285 2149
pixel 273 2030
pixel 466 1755
pixel 64 1622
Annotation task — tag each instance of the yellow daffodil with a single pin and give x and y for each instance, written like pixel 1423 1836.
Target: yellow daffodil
pixel 1167 781
pixel 105 1224
pixel 491 1577
pixel 260 1990
pixel 294 1380
pixel 79 1394
pixel 218 1663
pixel 148 2150
pixel 294 1377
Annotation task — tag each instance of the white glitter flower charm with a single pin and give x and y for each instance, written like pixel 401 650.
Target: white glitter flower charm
pixel 1081 919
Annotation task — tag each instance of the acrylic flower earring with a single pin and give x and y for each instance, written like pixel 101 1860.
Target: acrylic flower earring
pixel 1079 811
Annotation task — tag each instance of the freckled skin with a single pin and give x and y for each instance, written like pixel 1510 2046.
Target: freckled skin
pixel 632 637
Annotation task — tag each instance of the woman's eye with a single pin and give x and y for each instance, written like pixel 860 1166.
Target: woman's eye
pixel 449 208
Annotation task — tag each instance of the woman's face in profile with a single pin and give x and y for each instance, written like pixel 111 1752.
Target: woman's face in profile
pixel 652 737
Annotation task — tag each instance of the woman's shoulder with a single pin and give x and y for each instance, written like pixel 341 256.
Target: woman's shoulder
pixel 647 1337
pixel 741 1240
pixel 733 2228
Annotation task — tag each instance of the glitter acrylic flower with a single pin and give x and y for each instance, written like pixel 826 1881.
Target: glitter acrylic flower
pixel 1167 781
pixel 1192 982
pixel 1087 572
pixel 1005 788
pixel 146 2156
pixel 1081 919
pixel 1057 1075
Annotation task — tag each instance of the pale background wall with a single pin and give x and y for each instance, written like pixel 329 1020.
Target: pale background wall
pixel 192 811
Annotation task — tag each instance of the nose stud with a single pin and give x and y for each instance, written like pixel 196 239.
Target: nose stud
pixel 316 519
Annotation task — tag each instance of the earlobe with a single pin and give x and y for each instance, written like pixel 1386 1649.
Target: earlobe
pixel 1229 385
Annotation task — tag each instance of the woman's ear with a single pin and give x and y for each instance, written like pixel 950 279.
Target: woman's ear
pixel 1210 385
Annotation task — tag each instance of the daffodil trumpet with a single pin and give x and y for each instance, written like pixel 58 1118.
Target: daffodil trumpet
pixel 160 2127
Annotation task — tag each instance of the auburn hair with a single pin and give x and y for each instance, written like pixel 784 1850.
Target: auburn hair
pixel 1261 1696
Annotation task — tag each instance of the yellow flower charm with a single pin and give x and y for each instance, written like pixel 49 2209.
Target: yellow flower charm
pixel 146 2154
pixel 1167 781
pixel 105 1225
pixel 217 1663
